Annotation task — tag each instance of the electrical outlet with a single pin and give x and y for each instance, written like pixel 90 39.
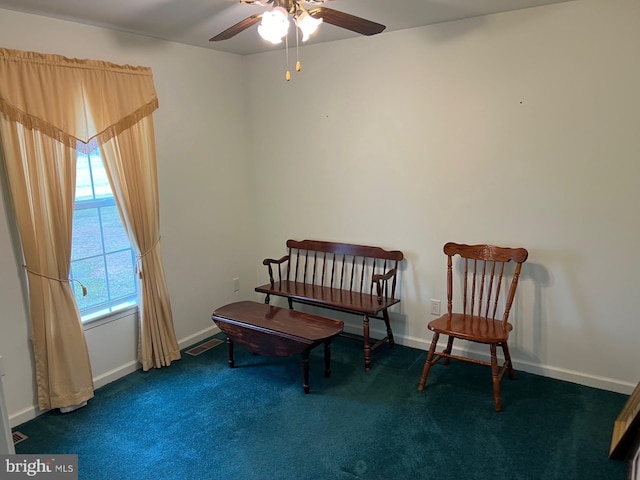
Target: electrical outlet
pixel 236 284
pixel 435 307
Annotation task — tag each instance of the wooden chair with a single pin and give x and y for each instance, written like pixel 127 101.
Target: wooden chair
pixel 481 319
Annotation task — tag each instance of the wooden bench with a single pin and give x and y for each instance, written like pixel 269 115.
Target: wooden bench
pixel 356 279
pixel 274 331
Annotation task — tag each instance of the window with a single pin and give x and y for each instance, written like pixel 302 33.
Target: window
pixel 101 257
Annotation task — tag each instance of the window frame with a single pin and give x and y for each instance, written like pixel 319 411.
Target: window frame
pixel 100 312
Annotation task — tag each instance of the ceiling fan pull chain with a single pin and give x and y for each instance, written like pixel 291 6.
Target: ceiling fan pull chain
pixel 298 66
pixel 288 74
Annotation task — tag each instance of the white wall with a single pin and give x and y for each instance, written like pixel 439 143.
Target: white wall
pixel 519 129
pixel 205 204
pixel 516 129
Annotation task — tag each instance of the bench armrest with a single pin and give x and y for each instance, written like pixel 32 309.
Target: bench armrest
pixel 269 261
pixel 380 279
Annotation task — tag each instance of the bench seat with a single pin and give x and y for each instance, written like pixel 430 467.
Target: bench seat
pixel 356 279
pixel 334 298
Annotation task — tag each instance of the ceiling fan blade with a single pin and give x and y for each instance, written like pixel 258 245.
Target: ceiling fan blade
pixel 237 28
pixel 346 20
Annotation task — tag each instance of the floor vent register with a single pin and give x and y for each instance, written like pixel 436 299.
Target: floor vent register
pixel 18 437
pixel 203 347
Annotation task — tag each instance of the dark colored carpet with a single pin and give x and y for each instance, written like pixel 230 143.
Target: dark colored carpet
pixel 199 419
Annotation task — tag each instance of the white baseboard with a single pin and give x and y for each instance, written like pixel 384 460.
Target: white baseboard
pixel 581 378
pixel 32 412
pixel 566 375
pixel 198 337
pixel 557 373
pixel 130 367
pixel 573 376
pixel 116 373
pixel 24 415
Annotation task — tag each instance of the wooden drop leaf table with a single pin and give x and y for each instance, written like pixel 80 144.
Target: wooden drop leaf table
pixel 274 331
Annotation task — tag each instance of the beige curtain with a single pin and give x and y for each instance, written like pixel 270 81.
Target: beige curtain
pixel 73 100
pixel 49 103
pixel 135 187
pixel 42 194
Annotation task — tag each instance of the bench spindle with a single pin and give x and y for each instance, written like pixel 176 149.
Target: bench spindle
pixel 297 263
pixel 315 263
pixel 306 263
pixel 333 269
pixel 343 264
pixel 324 267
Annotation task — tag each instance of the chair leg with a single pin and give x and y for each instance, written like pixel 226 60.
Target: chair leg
pixel 448 350
pixel 496 378
pixel 428 362
pixel 507 358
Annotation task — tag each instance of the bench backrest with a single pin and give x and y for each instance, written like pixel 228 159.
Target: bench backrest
pixel 342 265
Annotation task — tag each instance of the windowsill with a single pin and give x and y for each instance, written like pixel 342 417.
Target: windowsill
pixel 109 315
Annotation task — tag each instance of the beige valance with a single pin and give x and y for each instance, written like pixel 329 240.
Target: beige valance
pixel 72 99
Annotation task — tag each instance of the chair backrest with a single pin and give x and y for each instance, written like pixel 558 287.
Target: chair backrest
pixel 483 279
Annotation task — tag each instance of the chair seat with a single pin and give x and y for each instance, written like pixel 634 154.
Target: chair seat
pixel 468 327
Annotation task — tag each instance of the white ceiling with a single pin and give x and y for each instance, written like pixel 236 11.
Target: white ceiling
pixel 194 22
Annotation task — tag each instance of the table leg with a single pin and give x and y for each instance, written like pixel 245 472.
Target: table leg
pixel 305 370
pixel 327 358
pixel 230 350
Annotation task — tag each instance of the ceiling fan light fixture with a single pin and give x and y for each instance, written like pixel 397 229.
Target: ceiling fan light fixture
pixel 274 25
pixel 307 24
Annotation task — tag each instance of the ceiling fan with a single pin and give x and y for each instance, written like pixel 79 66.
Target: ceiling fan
pixel 305 19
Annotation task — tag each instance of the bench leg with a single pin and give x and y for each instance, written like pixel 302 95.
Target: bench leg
pixel 267 299
pixel 392 342
pixel 230 350
pixel 367 345
pixel 290 303
pixel 327 358
pixel 305 371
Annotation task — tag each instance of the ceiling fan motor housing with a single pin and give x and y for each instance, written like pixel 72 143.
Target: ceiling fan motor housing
pixel 290 6
pixel 295 8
